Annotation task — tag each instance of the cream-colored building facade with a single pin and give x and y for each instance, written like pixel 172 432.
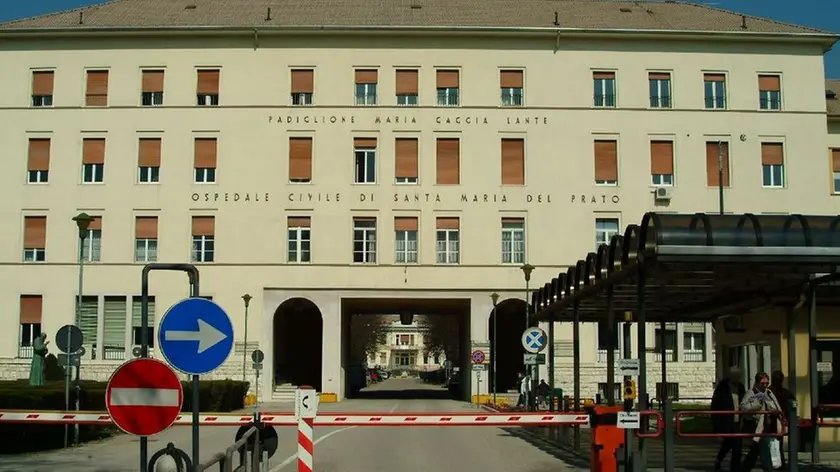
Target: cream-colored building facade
pixel 531 149
pixel 406 349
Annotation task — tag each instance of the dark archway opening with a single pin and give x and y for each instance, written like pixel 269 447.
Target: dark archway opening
pixel 509 359
pixel 298 346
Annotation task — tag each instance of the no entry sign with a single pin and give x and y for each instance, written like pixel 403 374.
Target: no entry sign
pixel 144 397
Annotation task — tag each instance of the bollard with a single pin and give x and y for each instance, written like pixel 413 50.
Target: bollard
pixel 179 458
pixel 793 438
pixel 607 438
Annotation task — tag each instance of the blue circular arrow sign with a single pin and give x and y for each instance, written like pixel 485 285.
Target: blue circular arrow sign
pixel 195 336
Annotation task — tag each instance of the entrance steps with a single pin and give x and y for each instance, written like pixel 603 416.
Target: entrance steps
pixel 284 393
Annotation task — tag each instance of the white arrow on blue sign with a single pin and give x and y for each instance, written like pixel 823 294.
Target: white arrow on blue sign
pixel 534 340
pixel 195 336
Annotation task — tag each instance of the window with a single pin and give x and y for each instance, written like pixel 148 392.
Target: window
pixel 113 327
pixel 715 91
pixel 405 160
pixel 203 238
pixel 694 346
pixel 207 89
pixel 513 240
pixel 717 163
pixel 366 87
pixel 34 239
pixel 96 93
pixel 606 162
pixel 662 163
pixel 38 161
pixel 136 321
pixel 447 88
pixel 303 86
pixel 405 229
pixel 448 161
pixel 151 94
pixel 93 160
pixel 772 164
pixel 31 309
pixel 88 319
pixel 92 242
pixel 769 92
pixel 604 83
pixel 205 160
pixel 148 161
pixel 448 241
pixel 512 83
pixel 42 88
pixel 364 240
pixel 365 160
pixel 513 162
pixel 670 390
pixel 300 160
pixel 605 229
pixel 835 170
pixel 299 239
pixel 660 89
pixel 605 341
pixel 145 238
pixel 665 340
pixel 407 87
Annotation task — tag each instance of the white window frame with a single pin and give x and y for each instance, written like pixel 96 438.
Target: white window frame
pixel 37 177
pixel 513 249
pixel 97 171
pixel 366 235
pixel 602 91
pixel 659 90
pixel 92 249
pixel 296 235
pixel 662 180
pixel 203 175
pixel 714 95
pixel 302 99
pixel 406 247
pixel 369 153
pixel 604 235
pixel 447 247
pixel 202 253
pixel 26 350
pixel 405 180
pixel 145 175
pixel 836 176
pixel 145 249
pixel 408 99
pixel 766 96
pixel 155 99
pixel 510 95
pixel 368 95
pixel 772 183
pixel 34 255
pixel 448 96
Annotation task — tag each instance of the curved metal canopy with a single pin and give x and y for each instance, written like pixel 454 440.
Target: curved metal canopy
pixel 695 266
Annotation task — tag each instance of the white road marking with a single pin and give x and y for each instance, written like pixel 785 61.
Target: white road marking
pixel 144 397
pixel 293 457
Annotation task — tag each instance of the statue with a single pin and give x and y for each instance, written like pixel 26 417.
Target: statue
pixel 39 353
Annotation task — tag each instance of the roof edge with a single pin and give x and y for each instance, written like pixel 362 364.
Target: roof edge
pixel 827 39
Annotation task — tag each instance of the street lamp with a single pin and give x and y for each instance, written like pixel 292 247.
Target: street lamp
pixel 495 298
pixel 83 221
pixel 526 271
pixel 247 299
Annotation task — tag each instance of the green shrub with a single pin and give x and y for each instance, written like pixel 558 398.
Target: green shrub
pixel 215 396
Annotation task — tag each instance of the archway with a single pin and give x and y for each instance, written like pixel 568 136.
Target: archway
pixel 509 361
pixel 298 343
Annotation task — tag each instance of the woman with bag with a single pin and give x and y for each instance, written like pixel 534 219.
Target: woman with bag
pixel 761 399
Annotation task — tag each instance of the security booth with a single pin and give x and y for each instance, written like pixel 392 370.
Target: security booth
pixel 759 278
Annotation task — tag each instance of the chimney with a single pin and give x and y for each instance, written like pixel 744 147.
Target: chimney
pixel 743 21
pixel 268 14
pixel 81 17
pixel 556 19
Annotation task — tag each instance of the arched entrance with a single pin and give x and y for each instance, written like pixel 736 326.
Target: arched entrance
pixel 298 346
pixel 509 361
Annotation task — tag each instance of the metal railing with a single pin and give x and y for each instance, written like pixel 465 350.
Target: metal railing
pixel 25 352
pixel 250 442
pixel 602 355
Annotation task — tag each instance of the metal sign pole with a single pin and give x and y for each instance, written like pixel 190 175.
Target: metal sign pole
pixel 192 272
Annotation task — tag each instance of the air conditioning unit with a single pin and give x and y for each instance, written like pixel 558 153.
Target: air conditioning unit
pixel 662 194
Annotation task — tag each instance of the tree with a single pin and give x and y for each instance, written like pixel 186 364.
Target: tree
pixel 367 333
pixel 441 335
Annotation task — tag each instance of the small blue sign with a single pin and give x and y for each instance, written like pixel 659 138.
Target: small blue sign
pixel 534 340
pixel 195 336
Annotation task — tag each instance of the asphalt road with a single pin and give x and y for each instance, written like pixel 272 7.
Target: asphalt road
pixel 348 449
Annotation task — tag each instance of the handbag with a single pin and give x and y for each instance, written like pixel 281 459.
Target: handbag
pixel 775 453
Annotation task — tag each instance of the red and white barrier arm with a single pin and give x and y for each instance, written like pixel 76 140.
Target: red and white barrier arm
pixel 323 419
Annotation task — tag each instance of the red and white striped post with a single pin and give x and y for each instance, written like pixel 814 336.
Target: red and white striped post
pixel 306 408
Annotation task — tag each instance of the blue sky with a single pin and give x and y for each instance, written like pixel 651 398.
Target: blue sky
pixel 821 14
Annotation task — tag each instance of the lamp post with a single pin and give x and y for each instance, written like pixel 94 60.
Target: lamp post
pixel 495 298
pixel 526 271
pixel 83 221
pixel 247 299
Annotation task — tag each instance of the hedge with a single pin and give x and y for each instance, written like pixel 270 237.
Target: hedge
pixel 215 396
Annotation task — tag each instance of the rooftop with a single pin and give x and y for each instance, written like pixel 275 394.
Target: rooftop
pixel 603 15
